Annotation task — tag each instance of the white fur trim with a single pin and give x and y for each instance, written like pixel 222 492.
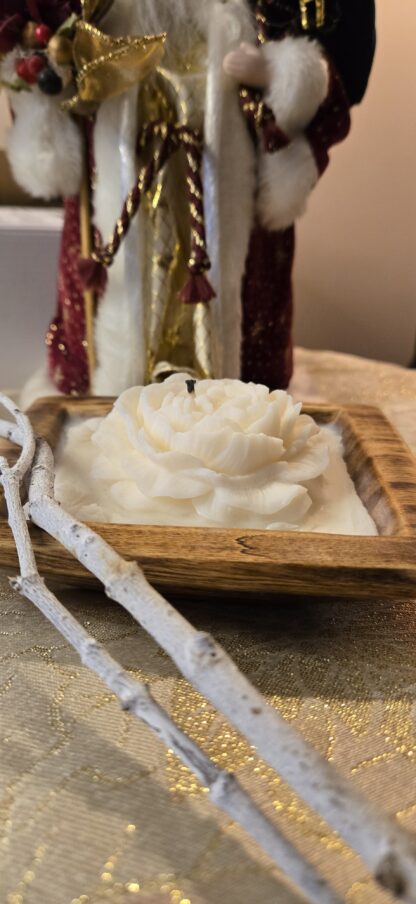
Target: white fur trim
pixel 286 179
pixel 230 182
pixel 299 81
pixel 44 147
pixel 119 328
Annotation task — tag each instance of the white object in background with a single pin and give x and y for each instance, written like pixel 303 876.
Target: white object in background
pixel 29 246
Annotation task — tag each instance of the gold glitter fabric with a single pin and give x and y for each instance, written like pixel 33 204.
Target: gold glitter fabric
pixel 94 809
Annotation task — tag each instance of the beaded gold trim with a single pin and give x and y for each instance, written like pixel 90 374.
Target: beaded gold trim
pixel 307 8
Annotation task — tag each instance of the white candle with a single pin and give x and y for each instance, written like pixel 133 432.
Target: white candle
pixel 218 453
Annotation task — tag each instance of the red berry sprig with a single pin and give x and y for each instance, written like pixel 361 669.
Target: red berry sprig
pixel 29 68
pixel 44 52
pixel 43 35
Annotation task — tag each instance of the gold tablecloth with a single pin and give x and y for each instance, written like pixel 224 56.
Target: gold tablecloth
pixel 94 809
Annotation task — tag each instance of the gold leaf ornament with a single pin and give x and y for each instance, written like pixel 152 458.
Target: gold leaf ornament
pixel 106 66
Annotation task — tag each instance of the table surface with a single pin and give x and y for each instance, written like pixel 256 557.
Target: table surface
pixel 93 808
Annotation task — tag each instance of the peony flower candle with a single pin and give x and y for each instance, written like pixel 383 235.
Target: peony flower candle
pixel 217 453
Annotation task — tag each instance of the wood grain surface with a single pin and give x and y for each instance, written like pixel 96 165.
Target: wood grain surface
pixel 201 560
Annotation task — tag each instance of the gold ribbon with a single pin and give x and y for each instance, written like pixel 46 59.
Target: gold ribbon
pixel 107 67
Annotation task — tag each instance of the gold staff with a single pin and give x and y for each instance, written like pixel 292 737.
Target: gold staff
pixel 86 250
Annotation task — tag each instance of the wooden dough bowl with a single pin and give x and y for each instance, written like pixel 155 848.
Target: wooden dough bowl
pixel 257 563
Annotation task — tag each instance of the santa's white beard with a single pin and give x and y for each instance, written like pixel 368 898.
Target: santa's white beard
pixel 184 21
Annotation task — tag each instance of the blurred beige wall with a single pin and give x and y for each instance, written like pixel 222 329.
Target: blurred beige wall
pixel 355 278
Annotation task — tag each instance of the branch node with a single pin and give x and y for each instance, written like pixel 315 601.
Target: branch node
pixel 203 651
pixel 223 787
pixel 390 875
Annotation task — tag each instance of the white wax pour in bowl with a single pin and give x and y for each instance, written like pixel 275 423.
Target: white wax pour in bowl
pixel 212 453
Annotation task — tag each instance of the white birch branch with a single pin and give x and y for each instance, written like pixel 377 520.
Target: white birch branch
pixel 11 431
pixel 388 849
pixel 24 432
pixel 136 698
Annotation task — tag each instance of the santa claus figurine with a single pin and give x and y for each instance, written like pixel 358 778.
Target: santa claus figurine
pixel 185 138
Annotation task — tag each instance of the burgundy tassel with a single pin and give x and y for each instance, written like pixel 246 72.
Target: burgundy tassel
pixel 196 289
pixel 92 273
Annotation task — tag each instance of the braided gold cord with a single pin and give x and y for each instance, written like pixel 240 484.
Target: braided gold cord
pixel 193 188
pixel 161 140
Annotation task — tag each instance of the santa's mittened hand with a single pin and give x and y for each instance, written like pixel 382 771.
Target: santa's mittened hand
pixel 248 66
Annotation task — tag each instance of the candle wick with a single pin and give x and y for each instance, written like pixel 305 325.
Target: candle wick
pixel 190 385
